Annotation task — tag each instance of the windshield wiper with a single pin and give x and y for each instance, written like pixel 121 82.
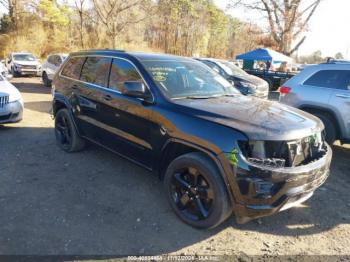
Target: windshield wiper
pixel 197 97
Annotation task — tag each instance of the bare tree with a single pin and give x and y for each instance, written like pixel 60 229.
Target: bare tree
pixel 12 8
pixel 287 19
pixel 79 4
pixel 115 15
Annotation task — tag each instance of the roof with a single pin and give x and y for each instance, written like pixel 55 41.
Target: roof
pixel 264 54
pixel 337 61
pixel 142 56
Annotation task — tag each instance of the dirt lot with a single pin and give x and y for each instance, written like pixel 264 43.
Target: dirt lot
pixel 95 202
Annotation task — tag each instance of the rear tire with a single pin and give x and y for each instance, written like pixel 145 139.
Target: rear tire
pixel 330 128
pixel 67 137
pixel 46 80
pixel 196 191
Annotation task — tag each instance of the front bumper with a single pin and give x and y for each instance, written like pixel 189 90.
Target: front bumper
pixel 11 112
pixel 262 191
pixel 24 71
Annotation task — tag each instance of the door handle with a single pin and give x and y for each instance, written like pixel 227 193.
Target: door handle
pixel 343 96
pixel 107 97
pixel 75 87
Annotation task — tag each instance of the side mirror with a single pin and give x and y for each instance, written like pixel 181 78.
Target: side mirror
pixel 134 89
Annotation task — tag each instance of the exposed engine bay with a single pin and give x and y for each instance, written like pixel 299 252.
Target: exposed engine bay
pixel 279 154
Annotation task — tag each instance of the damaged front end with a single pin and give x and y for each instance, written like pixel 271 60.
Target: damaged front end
pixel 284 153
pixel 271 176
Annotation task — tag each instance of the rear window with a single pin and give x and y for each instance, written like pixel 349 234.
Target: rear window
pixel 73 67
pixel 96 70
pixel 336 79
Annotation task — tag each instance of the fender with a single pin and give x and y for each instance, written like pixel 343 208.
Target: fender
pixel 214 157
pixel 340 127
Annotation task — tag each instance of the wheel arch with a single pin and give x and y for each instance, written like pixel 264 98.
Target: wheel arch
pixel 316 109
pixel 174 148
pixel 60 102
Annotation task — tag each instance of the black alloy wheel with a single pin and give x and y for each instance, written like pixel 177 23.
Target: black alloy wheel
pixel 192 194
pixel 196 191
pixel 62 131
pixel 66 134
pixel 46 80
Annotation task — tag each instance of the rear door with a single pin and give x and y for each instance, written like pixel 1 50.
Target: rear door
pixel 341 100
pixel 316 90
pixel 92 86
pixel 70 86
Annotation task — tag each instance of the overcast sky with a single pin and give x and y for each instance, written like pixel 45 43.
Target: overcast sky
pixel 328 30
pixel 329 27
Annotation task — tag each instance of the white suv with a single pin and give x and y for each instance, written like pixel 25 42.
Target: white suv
pixel 23 64
pixel 51 66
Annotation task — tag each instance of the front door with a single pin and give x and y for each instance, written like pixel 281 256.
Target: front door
pixel 126 120
pixel 341 100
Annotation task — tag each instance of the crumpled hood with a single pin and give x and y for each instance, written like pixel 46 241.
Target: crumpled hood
pixel 258 119
pixel 21 62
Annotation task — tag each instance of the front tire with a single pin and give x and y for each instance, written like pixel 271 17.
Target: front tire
pixel 67 137
pixel 196 191
pixel 14 73
pixel 46 80
pixel 331 131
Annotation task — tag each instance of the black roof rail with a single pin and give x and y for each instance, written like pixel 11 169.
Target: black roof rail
pixel 106 49
pixel 331 60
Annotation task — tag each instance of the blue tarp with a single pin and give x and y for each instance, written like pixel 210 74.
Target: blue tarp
pixel 264 54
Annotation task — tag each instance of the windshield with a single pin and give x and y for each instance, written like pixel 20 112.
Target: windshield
pixel 24 57
pixel 231 68
pixel 188 79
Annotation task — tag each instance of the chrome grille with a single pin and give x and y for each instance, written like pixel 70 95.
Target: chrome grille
pixel 4 100
pixel 29 66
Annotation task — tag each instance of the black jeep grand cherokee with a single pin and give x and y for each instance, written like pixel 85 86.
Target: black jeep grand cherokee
pixel 217 151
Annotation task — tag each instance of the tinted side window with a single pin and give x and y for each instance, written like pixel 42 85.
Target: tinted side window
pixel 57 60
pixel 337 79
pixel 122 71
pixel 215 67
pixel 72 68
pixel 50 59
pixel 96 70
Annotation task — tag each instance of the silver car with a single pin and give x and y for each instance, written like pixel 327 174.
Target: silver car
pixel 11 103
pixel 3 70
pixel 324 91
pixel 51 66
pixel 247 84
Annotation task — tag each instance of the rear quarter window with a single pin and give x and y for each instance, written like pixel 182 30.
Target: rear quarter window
pixel 335 79
pixel 73 67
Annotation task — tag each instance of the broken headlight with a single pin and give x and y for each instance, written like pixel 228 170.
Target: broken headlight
pixel 279 154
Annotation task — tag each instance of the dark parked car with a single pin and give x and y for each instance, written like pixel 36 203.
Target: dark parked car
pixel 216 150
pixel 245 83
pixel 275 79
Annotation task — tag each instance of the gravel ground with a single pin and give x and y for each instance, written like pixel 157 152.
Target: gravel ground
pixel 97 203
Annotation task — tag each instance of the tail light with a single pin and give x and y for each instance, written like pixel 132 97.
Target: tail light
pixel 284 90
